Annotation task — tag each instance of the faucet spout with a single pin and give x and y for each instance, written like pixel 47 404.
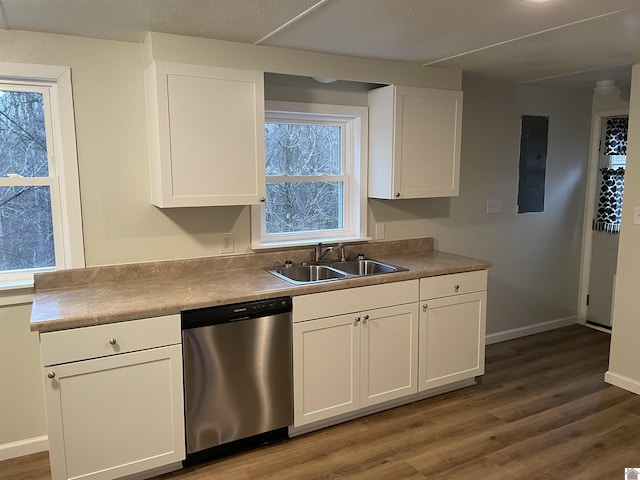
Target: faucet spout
pixel 320 253
pixel 342 255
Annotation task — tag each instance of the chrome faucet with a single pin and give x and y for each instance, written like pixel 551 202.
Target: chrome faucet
pixel 342 255
pixel 319 253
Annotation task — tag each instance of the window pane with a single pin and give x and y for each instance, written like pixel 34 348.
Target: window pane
pixel 299 149
pixel 23 140
pixel 303 206
pixel 26 229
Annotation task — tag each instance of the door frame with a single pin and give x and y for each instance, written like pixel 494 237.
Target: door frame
pixel 589 207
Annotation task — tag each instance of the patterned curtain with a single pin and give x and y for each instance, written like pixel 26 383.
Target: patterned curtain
pixel 609 212
pixel 616 136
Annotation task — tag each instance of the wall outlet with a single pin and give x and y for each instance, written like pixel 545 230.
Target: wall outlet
pixel 636 215
pixel 379 231
pixel 494 205
pixel 227 243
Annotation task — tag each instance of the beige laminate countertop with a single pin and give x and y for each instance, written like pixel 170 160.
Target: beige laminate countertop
pixel 102 295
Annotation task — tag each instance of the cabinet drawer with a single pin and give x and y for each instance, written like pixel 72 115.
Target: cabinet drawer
pixel 92 342
pixel 454 284
pixel 326 304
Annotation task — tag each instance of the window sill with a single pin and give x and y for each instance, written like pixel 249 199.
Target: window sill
pixel 307 243
pixel 16 292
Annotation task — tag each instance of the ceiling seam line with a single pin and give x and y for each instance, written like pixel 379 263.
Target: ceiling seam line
pixel 552 77
pixel 3 19
pixel 511 40
pixel 292 21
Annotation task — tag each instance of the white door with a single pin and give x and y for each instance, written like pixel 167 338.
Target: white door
pixel 326 368
pixel 122 414
pixel 452 337
pixel 389 353
pixel 605 232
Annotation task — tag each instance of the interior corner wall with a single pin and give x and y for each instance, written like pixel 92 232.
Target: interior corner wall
pixel 625 338
pixel 536 257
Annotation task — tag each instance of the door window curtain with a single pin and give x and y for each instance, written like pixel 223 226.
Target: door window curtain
pixel 609 211
pixel 616 136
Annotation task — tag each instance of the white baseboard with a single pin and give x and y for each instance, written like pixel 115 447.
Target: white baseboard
pixel 622 382
pixel 529 330
pixel 24 447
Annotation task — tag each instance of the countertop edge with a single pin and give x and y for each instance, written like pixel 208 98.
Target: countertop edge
pixel 48 306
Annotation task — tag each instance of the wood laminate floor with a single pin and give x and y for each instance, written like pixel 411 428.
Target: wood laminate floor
pixel 541 411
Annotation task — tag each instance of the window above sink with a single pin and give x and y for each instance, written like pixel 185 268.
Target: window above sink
pixel 316 175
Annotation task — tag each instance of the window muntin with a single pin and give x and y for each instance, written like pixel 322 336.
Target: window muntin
pixel 316 178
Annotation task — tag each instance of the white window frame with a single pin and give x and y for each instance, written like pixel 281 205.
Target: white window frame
pixel 354 123
pixel 54 83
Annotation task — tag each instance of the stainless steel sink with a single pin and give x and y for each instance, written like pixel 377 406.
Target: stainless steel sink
pixel 314 273
pixel 301 274
pixel 366 267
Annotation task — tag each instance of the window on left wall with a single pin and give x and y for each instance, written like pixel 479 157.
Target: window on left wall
pixel 40 222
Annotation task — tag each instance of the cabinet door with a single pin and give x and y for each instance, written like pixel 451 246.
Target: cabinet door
pixel 326 368
pixel 122 414
pixel 428 135
pixel 206 135
pixel 415 137
pixel 452 339
pixel 389 353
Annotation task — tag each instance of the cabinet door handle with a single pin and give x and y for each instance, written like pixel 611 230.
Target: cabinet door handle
pixel 398 195
pixel 263 200
pixel 456 288
pixel 51 375
pixel 113 341
pixel 356 321
pixel 365 318
pixel 424 307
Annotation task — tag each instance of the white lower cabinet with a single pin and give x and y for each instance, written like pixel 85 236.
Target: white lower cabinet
pixel 326 368
pixel 452 328
pixel 120 413
pixel 345 362
pixel 389 351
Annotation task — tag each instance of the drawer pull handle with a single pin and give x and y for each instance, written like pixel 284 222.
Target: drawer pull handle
pixel 456 288
pixel 365 318
pixel 424 307
pixel 51 375
pixel 113 341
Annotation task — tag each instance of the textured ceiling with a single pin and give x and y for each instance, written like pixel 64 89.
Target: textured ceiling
pixel 518 41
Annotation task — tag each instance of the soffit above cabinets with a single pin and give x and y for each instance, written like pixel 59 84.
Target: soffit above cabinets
pixel 517 41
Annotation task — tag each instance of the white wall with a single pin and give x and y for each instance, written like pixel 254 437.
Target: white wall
pixel 535 257
pixel 625 338
pixel 22 413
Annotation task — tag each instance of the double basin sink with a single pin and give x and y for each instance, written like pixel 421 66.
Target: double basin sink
pixel 303 274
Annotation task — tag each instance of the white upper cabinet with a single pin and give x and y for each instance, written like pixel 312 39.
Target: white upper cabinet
pixel 206 135
pixel 414 142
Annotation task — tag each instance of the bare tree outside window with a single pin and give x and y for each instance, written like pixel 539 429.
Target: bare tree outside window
pixel 301 160
pixel 26 227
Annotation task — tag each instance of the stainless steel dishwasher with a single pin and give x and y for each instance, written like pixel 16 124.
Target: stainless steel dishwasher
pixel 237 376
